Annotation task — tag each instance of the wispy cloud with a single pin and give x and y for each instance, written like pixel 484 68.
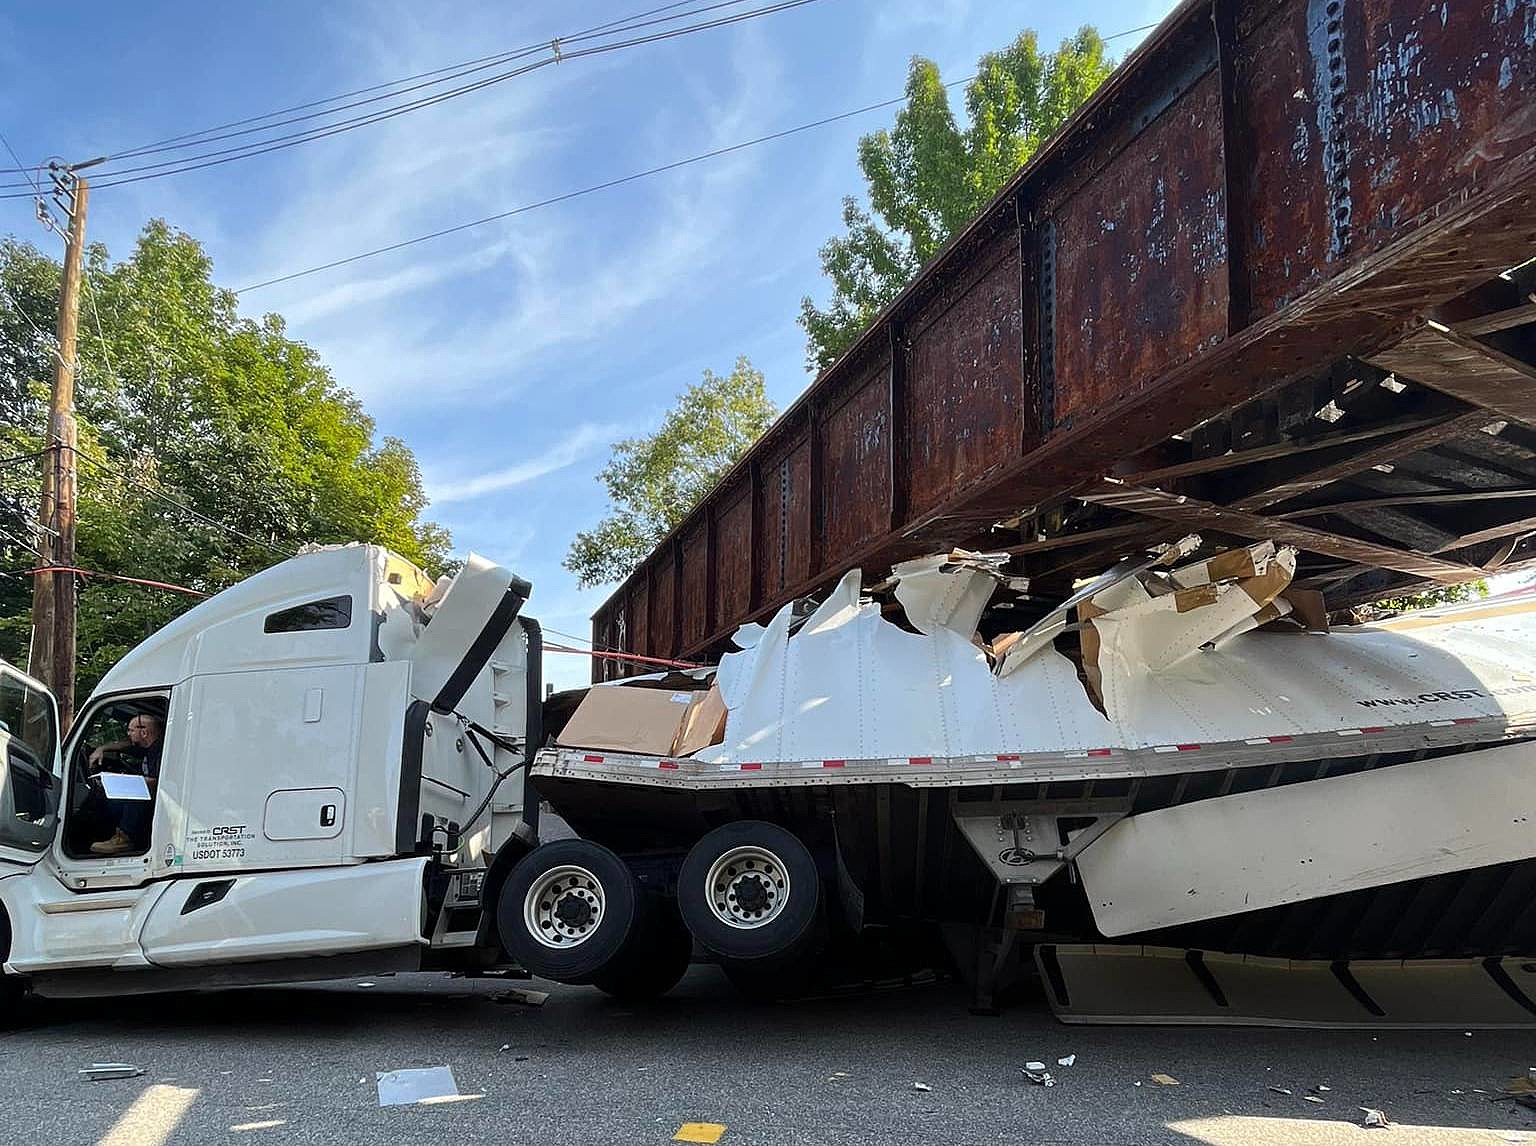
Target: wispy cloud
pixel 547 281
pixel 571 449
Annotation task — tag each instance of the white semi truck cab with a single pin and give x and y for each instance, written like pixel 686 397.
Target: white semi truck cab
pixel 333 754
pixel 1163 798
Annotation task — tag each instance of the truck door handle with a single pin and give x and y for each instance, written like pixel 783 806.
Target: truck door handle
pixel 327 815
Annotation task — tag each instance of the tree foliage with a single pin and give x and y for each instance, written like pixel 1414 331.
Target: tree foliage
pixel 654 481
pixel 927 177
pixel 183 401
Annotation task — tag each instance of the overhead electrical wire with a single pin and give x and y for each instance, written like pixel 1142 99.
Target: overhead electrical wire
pixel 448 71
pixel 611 183
pixel 197 162
pixel 21 168
pixel 214 522
pixel 464 70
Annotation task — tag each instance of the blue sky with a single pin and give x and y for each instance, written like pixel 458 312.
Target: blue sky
pixel 508 357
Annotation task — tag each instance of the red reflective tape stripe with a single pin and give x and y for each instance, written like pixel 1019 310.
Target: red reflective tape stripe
pixel 591 759
pixel 667 764
pixel 921 759
pixel 1375 728
pixel 1100 751
pixel 1466 720
pixel 751 767
pixel 1188 747
pixel 1006 758
pixel 833 763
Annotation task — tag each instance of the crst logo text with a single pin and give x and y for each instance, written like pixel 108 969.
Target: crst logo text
pixel 227 830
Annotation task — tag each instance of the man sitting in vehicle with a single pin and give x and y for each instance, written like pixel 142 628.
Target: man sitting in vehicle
pixel 139 755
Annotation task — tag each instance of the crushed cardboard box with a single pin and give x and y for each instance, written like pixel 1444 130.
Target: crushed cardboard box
pixel 648 721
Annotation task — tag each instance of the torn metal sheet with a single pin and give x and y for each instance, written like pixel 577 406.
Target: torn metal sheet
pixel 1015 652
pixel 850 685
pixel 950 590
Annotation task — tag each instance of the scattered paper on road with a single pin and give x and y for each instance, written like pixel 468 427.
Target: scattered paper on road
pixel 1165 1080
pixel 1070 1060
pixel 404 1087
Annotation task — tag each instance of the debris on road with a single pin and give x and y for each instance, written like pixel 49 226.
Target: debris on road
pixel 706 1132
pixel 921 1086
pixel 100 1071
pixel 1374 1118
pixel 1280 1089
pixel 521 997
pixel 1311 1098
pixel 1165 1080
pixel 1037 1074
pixel 405 1087
pixel 1070 1060
pixel 1322 1088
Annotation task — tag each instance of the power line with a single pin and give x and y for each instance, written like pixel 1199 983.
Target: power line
pixel 21 168
pixel 107 467
pixel 618 182
pixel 232 154
pixel 454 72
pixel 604 186
pixel 198 137
pixel 22 458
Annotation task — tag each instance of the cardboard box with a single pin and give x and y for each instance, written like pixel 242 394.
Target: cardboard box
pixel 624 719
pixel 704 723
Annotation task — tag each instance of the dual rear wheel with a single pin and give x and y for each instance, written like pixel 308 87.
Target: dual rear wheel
pixel 748 893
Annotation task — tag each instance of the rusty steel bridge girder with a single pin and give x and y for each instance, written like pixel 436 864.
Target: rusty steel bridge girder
pixel 1261 190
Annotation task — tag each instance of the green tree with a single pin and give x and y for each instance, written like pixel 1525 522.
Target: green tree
pixel 927 177
pixel 190 415
pixel 653 482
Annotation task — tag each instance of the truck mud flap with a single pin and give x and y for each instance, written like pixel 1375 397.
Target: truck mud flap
pixel 1099 983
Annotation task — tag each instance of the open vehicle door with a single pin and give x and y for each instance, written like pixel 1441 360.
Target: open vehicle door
pixel 29 767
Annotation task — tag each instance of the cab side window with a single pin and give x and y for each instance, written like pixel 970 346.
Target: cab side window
pixel 115 777
pixel 329 613
pixel 29 789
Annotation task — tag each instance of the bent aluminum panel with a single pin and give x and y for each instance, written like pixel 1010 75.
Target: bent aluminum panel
pixel 1232 854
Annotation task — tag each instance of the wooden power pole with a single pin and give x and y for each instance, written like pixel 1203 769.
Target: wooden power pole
pixel 53 593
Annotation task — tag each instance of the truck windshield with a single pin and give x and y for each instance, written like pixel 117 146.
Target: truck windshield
pixel 28 738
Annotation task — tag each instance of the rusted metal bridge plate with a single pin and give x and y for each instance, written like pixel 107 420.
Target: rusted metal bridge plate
pixel 1256 219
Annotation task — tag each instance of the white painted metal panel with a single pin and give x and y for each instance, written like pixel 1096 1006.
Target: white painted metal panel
pixel 476 593
pixel 851 685
pixel 304 814
pixel 375 794
pixel 1282 845
pixel 282 914
pixel 247 737
pixel 55 929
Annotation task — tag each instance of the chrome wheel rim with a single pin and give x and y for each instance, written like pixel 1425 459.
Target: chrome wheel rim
pixel 564 907
pixel 747 887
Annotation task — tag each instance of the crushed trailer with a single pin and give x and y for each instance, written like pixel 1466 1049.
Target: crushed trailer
pixel 1175 793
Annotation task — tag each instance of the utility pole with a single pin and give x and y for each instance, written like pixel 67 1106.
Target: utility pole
pixel 53 594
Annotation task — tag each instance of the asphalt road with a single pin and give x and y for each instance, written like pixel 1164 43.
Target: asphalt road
pixel 297 1065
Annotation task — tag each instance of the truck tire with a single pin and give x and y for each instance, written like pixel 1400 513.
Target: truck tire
pixel 750 890
pixel 567 910
pixel 655 958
